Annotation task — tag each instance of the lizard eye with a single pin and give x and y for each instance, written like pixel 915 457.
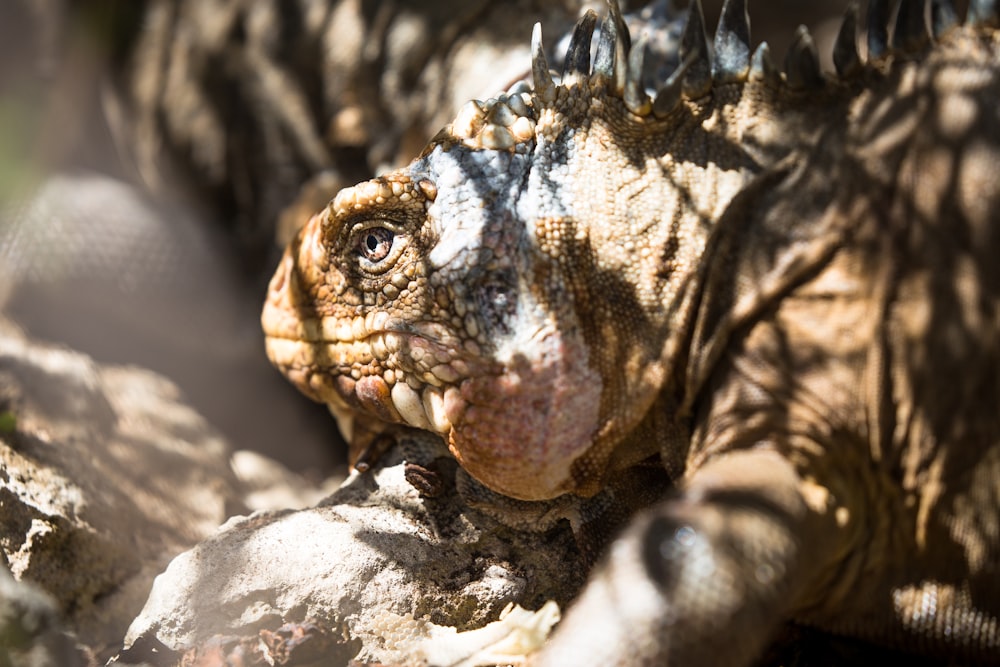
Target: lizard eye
pixel 375 244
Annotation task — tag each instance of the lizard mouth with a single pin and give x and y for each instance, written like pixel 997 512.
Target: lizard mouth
pixel 515 428
pixel 358 374
pixel 397 371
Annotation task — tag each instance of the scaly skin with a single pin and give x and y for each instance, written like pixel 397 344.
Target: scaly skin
pixel 784 287
pixel 509 267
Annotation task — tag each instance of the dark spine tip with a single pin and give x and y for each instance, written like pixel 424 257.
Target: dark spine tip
pixel 762 66
pixel 698 80
pixel 732 43
pixel 545 88
pixel 635 96
pixel 669 95
pixel 613 47
pixel 578 53
pixel 878 28
pixel 604 59
pixel 909 33
pixel 984 13
pixel 624 37
pixel 944 16
pixel 846 58
pixel 802 62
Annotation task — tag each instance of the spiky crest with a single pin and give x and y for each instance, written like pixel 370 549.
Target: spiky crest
pixel 619 63
pixel 550 241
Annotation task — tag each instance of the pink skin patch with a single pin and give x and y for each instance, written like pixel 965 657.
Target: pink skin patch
pixel 520 432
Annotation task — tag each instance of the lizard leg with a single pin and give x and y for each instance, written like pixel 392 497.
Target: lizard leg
pixel 705 578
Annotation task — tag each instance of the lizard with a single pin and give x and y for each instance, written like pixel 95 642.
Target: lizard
pixel 776 282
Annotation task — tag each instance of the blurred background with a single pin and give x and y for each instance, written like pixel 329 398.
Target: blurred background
pixel 156 154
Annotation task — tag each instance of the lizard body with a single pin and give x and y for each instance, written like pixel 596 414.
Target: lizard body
pixel 782 284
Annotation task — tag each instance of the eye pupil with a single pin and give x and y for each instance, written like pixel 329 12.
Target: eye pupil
pixel 376 244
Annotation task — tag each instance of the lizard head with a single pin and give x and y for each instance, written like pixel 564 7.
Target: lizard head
pixel 440 297
pixel 452 296
pixel 518 287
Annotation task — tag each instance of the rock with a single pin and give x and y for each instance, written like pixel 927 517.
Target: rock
pixel 105 474
pixel 269 485
pixel 376 571
pixel 96 263
pixel 31 629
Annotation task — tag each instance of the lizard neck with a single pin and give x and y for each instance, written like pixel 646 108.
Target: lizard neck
pixel 647 209
pixel 649 191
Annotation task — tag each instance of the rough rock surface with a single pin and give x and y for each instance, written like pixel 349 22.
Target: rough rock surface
pixel 104 476
pixel 31 629
pixel 375 565
pixel 95 263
